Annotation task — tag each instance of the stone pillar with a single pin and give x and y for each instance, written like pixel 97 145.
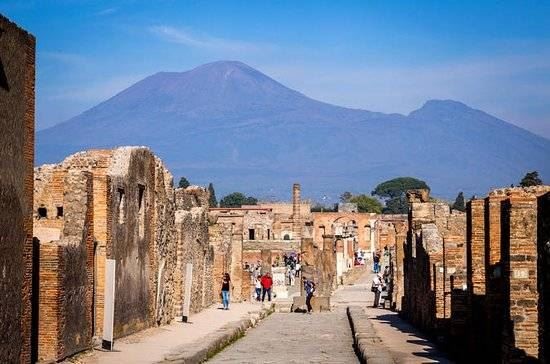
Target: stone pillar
pixel 372 224
pixel 519 257
pixel 237 265
pixel 266 261
pixel 296 216
pixel 475 230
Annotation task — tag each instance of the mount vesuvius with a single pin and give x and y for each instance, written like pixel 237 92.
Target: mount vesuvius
pixel 230 124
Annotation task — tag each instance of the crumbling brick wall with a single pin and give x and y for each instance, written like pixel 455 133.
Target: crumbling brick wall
pixel 133 209
pixel 543 270
pixel 17 81
pixel 498 273
pixel 434 254
pixel 66 265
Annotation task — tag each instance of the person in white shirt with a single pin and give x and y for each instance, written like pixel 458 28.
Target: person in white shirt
pixel 377 286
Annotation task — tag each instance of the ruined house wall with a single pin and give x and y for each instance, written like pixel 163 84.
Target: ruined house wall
pixel 132 237
pixel 323 223
pixel 17 81
pixel 498 274
pixel 193 243
pixel 434 261
pixel 519 262
pixel 543 270
pixel 133 224
pixel 166 277
pixel 220 238
pixel 66 269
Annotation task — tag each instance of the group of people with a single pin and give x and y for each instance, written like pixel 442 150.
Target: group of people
pixel 263 285
pixel 292 264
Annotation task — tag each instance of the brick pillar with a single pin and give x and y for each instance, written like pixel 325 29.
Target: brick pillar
pixel 493 274
pixel 475 222
pixel 296 216
pixel 49 302
pixel 519 257
pixel 543 222
pixel 492 230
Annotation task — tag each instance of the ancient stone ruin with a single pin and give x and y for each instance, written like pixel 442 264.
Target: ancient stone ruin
pixel 479 280
pixel 17 70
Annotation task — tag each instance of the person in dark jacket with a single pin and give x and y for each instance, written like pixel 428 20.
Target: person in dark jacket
pixel 226 285
pixel 309 287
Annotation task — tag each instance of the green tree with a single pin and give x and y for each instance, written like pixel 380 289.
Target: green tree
pixel 531 179
pixel 367 204
pixel 459 203
pixel 393 192
pixel 213 201
pixel 237 199
pixel 184 183
pixel 346 196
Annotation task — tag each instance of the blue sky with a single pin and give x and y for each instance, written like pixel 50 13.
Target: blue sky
pixel 388 56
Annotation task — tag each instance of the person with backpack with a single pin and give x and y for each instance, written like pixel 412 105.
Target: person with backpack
pixel 309 287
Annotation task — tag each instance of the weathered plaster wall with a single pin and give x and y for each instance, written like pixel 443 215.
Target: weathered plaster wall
pixel 192 233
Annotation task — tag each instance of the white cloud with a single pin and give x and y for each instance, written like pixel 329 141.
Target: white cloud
pixel 107 11
pixel 206 42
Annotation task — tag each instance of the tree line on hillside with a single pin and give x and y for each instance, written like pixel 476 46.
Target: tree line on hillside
pixel 388 197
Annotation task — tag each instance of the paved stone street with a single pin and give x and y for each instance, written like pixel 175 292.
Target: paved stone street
pixel 326 337
pixel 294 338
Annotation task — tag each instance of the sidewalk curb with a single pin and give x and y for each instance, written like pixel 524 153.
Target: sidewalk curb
pixel 208 346
pixel 368 346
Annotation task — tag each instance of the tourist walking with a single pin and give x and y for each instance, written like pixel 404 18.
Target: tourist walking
pixel 258 288
pixel 376 262
pixel 309 287
pixel 266 282
pixel 226 284
pixel 377 287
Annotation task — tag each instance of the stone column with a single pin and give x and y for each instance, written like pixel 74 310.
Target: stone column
pixel 296 216
pixel 237 265
pixel 372 224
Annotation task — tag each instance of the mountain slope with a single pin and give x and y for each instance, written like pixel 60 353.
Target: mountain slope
pixel 230 124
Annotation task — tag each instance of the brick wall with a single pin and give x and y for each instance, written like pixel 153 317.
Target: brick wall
pixel 17 63
pixel 66 271
pixel 493 270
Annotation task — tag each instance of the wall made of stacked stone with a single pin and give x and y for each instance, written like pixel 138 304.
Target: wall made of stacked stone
pixel 17 64
pixel 261 222
pixel 220 238
pixel 66 274
pixel 192 227
pixel 165 247
pixel 519 259
pixel 543 243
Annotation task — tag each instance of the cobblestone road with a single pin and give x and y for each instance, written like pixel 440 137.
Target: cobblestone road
pixel 294 338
